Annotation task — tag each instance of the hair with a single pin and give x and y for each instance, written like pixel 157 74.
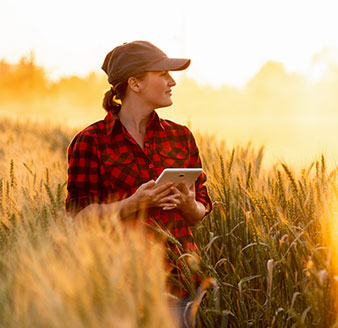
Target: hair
pixel 113 98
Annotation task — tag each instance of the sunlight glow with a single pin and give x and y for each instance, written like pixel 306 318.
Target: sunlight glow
pixel 227 41
pixel 262 70
pixel 316 72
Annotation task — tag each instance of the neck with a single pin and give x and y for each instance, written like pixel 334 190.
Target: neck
pixel 135 116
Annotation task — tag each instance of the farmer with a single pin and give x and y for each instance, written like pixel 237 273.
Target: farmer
pixel 113 163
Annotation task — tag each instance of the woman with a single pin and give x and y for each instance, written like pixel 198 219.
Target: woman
pixel 113 163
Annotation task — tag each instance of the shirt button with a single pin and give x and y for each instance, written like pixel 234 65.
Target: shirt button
pixel 146 145
pixel 151 166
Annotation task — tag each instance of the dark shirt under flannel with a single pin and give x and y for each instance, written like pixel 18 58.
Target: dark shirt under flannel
pixel 105 164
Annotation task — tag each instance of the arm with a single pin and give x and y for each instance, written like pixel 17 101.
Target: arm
pixel 83 174
pixel 147 195
pixel 201 191
pixel 123 207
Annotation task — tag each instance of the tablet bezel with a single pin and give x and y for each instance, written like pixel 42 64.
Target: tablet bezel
pixel 178 175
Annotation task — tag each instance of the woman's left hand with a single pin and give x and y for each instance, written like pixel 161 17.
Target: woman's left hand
pixel 183 198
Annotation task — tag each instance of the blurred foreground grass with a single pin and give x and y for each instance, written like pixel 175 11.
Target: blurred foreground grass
pixel 268 250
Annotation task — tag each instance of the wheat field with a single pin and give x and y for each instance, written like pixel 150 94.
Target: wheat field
pixel 268 251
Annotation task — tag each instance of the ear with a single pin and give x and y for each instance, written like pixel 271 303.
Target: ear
pixel 134 84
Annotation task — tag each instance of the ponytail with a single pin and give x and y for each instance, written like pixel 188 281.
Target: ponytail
pixel 113 98
pixel 109 101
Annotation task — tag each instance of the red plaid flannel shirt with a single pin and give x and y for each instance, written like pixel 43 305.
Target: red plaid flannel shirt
pixel 105 164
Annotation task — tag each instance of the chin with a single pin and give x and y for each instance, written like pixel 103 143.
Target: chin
pixel 170 102
pixel 165 104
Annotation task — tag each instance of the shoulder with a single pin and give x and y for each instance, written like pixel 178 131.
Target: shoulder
pixel 175 128
pixel 89 135
pixel 94 130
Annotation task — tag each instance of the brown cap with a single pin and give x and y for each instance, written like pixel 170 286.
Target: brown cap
pixel 139 56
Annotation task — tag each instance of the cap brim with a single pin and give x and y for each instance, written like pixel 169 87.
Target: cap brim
pixel 170 64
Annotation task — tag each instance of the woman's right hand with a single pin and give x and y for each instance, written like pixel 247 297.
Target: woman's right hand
pixel 151 195
pixel 147 195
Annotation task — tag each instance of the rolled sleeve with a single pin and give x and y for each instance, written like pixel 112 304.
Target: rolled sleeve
pixel 202 195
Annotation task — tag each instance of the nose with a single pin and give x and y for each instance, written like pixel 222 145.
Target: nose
pixel 171 82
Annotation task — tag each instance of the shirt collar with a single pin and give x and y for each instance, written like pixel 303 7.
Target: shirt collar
pixel 112 118
pixel 155 121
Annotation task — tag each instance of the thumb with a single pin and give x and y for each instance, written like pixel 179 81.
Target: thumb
pixel 184 187
pixel 149 184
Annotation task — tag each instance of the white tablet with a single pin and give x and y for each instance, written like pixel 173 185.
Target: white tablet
pixel 178 175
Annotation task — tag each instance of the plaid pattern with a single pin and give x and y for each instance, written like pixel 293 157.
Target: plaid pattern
pixel 105 164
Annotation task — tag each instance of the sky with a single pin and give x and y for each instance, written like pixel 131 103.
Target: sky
pixel 228 40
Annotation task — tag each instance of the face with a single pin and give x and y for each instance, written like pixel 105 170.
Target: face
pixel 156 89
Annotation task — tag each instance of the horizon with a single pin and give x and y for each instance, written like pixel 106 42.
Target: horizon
pixel 292 115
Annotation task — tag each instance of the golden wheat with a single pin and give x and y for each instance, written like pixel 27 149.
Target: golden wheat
pixel 267 252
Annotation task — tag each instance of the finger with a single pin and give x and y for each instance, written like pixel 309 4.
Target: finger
pixel 157 192
pixel 163 186
pixel 167 204
pixel 147 185
pixel 175 190
pixel 169 207
pixel 171 200
pixel 160 195
pixel 185 188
